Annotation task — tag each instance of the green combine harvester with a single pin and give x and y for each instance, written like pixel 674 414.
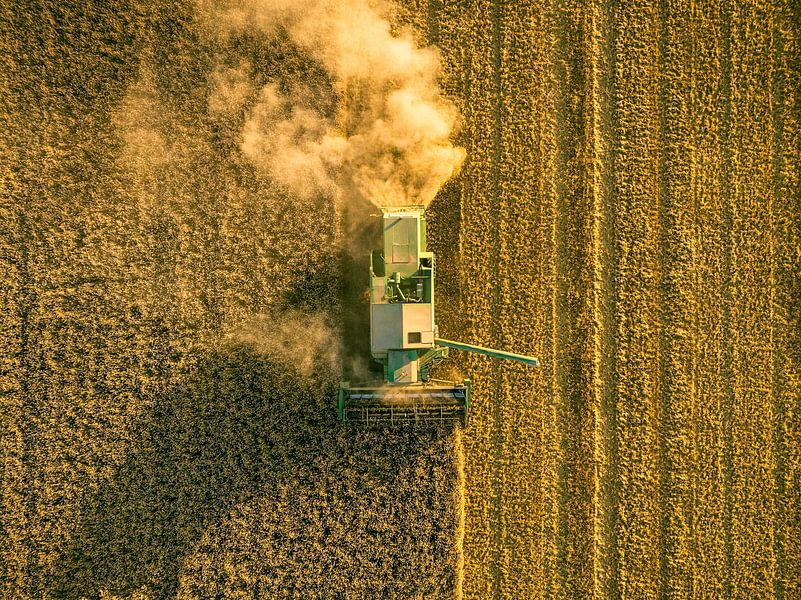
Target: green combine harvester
pixel 403 336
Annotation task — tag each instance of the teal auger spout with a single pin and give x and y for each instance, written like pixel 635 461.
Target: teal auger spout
pixel 528 360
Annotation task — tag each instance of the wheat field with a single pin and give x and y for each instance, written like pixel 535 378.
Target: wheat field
pixel 629 212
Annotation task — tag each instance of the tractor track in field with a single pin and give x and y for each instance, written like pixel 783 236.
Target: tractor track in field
pixel 779 339
pixel 789 211
pixel 574 294
pixel 792 307
pixel 607 576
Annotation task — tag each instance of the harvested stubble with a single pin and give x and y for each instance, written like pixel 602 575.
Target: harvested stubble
pixel 631 176
pixel 158 439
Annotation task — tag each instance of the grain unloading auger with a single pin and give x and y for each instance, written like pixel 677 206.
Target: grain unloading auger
pixel 403 335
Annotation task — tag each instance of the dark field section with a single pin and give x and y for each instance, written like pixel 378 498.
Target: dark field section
pixel 170 338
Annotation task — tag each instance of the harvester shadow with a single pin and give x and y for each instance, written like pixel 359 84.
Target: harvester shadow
pixel 363 234
pixel 238 428
pixel 349 278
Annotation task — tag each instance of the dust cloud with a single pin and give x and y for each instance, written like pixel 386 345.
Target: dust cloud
pixel 230 89
pixel 299 342
pixel 389 143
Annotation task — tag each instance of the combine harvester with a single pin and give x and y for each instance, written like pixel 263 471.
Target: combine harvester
pixel 403 336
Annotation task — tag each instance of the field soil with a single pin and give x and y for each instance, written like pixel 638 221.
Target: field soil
pixel 173 326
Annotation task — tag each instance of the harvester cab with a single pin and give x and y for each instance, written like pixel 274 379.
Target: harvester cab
pixel 404 338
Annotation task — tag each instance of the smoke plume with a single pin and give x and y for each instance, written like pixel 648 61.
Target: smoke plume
pixel 389 144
